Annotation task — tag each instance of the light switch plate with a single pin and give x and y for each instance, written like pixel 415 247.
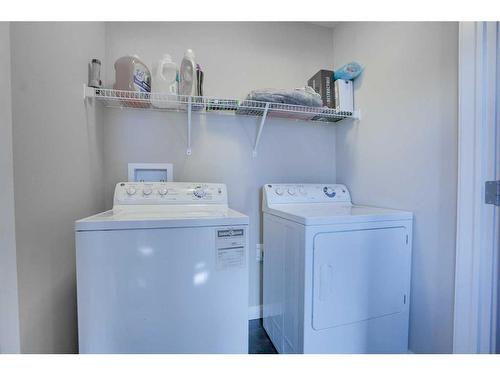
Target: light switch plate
pixel 259 252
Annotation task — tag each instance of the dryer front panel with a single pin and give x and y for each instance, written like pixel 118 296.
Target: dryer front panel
pixel 359 275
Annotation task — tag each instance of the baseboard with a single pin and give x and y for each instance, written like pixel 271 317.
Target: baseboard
pixel 254 312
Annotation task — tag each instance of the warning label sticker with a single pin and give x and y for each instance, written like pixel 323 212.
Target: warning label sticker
pixel 230 257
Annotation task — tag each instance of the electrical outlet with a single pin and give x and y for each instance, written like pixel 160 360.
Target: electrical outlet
pixel 259 252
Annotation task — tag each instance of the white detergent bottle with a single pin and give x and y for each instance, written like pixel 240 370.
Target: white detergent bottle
pixel 164 83
pixel 187 84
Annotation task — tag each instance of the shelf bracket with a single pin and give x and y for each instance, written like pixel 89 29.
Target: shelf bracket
pixel 259 132
pixel 88 92
pixel 189 110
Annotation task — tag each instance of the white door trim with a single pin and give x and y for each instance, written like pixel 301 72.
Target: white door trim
pixel 9 299
pixel 476 272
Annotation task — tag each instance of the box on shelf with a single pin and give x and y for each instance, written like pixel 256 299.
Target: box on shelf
pixel 322 83
pixel 344 96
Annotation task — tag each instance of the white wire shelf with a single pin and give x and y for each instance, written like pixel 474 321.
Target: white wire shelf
pixel 201 104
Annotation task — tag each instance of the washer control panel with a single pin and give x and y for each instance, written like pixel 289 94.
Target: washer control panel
pixel 130 193
pixel 306 193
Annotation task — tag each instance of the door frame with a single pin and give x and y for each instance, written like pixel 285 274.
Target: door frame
pixel 477 259
pixel 9 299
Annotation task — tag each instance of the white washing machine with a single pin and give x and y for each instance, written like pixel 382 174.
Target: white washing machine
pixel 336 275
pixel 165 271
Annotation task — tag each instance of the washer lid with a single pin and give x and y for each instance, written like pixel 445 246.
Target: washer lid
pixel 149 217
pixel 332 213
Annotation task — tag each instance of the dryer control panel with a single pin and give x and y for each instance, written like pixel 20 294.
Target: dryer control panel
pixel 135 193
pixel 306 193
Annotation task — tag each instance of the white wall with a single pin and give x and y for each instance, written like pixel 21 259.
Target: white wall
pixel 403 154
pixel 9 320
pixel 236 58
pixel 57 172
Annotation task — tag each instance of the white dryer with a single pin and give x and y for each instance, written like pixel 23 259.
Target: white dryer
pixel 336 275
pixel 164 271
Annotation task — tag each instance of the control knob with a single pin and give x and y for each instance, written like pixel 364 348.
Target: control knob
pixel 162 191
pixel 131 190
pixel 199 192
pixel 291 191
pixel 329 191
pixel 278 191
pixel 147 190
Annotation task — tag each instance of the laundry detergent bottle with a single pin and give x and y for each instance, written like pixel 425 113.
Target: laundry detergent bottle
pixel 164 86
pixel 131 74
pixel 187 84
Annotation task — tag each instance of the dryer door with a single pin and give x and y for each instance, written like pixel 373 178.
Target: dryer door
pixel 359 275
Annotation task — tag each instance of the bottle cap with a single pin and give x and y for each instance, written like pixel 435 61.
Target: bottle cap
pixel 189 54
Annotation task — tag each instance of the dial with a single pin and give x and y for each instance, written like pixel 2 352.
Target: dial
pixel 330 192
pixel 131 190
pixel 162 191
pixel 199 192
pixel 279 191
pixel 147 190
pixel 291 191
pixel 302 191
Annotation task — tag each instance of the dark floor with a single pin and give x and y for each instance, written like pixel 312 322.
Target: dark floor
pixel 258 341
